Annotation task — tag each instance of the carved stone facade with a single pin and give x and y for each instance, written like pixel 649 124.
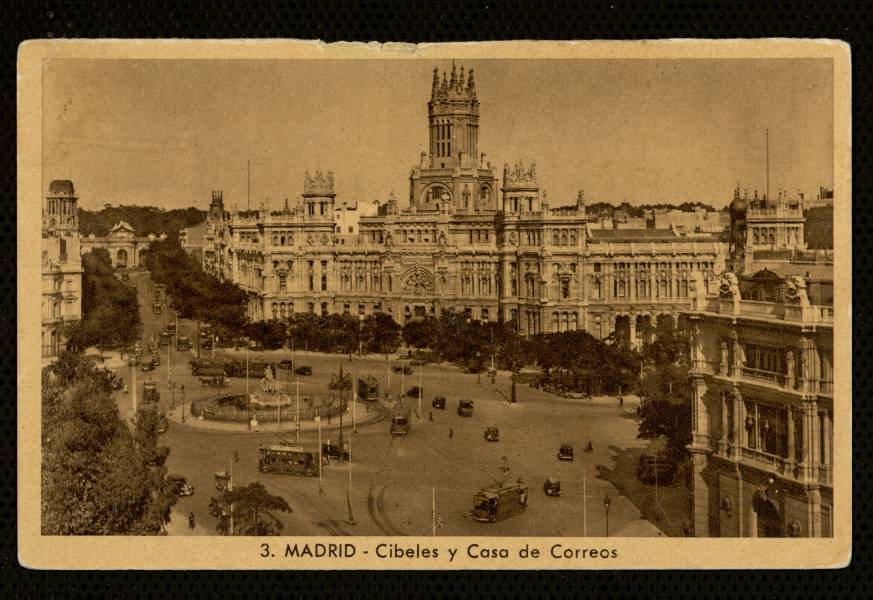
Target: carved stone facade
pixel 126 249
pixel 763 401
pixel 465 241
pixel 61 266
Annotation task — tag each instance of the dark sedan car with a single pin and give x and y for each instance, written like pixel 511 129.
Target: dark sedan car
pixel 335 452
pixel 303 370
pixel 439 402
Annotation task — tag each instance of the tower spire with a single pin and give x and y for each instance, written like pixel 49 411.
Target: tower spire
pixel 454 80
pixel 461 80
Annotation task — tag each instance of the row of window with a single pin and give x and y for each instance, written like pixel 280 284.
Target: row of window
pixel 283 238
pixel 520 204
pixel 564 237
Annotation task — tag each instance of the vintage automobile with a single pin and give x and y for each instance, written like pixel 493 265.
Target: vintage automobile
pixel 399 425
pixel 148 365
pixel 180 486
pixel 156 360
pixel 183 343
pixel 214 381
pixel 465 408
pixel 334 452
pixel 304 370
pixel 439 402
pixel 221 480
pixel 565 452
pixel 405 369
pixel 218 507
pixel 552 487
pixel 492 434
pixel 413 392
pixel 285 364
pixel 150 392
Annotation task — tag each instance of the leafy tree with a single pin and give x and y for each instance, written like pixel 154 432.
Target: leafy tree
pixel 253 509
pixel 98 476
pixel 380 333
pixel 419 333
pixel 665 389
pixel 666 406
pixel 110 309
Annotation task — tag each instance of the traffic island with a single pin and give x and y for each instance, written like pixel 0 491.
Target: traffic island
pixel 229 413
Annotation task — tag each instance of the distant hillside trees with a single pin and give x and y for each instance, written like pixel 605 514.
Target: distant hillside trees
pixel 143 219
pixel 110 309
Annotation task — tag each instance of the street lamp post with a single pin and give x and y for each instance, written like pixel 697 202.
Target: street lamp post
pixel 606 503
pixel 183 403
pixel 320 459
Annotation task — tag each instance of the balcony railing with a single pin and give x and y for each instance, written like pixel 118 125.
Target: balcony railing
pixel 770 377
pixel 825 475
pixel 771 461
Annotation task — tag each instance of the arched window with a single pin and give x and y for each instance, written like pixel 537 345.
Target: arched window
pixel 485 196
pixel 275 311
pixel 563 237
pixel 555 238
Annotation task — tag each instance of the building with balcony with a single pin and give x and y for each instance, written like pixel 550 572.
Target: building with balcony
pixel 493 247
pixel 61 266
pixel 763 406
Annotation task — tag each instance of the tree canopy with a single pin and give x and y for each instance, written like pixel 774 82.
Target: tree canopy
pixel 110 309
pixel 253 511
pixel 99 477
pixel 665 389
pixel 195 293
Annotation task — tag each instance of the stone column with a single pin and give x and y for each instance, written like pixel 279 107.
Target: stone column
pixel 810 446
pixel 739 423
pixel 791 459
pixel 723 442
pixel 632 321
pixel 826 434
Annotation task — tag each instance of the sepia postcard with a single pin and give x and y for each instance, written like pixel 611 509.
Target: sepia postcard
pixel 516 305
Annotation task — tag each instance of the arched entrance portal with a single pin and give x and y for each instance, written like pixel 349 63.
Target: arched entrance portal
pixel 121 259
pixel 768 523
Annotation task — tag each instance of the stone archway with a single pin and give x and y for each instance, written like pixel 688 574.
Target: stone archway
pixel 418 282
pixel 768 522
pixel 121 258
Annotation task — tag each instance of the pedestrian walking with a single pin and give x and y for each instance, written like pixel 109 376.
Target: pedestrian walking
pixel 590 447
pixel 431 416
pixel 191 520
pixel 451 432
pixel 621 401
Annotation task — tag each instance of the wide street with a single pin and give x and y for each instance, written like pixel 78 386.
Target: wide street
pixel 395 483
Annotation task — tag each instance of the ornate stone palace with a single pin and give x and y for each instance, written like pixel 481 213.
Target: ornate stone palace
pixel 61 265
pixel 466 240
pixel 763 384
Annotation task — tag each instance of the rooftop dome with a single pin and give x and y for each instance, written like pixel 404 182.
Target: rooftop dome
pixel 61 187
pixel 738 207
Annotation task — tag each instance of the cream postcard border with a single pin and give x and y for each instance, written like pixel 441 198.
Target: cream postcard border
pixel 116 552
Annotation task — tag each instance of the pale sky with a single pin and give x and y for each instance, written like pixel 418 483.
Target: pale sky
pixel 165 133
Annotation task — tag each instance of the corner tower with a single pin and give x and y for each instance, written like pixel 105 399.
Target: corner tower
pixel 453 175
